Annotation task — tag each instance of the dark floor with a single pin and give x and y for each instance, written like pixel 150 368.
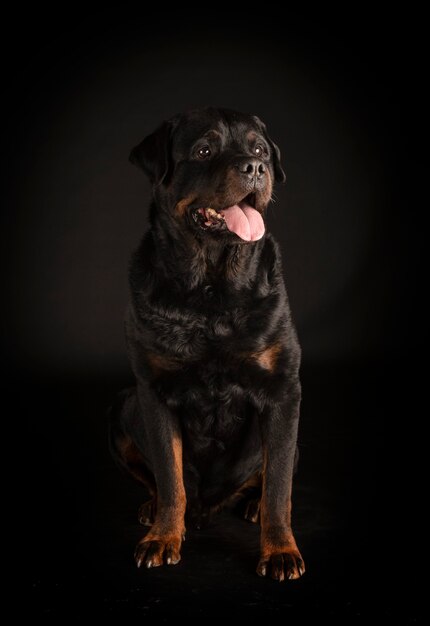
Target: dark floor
pixel 81 515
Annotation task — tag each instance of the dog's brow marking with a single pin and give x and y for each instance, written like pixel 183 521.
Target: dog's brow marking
pixel 212 133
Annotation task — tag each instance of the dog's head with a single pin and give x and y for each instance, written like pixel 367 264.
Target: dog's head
pixel 212 172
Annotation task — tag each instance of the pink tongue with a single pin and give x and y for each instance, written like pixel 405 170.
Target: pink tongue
pixel 245 221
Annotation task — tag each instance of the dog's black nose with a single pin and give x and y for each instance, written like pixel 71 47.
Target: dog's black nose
pixel 253 168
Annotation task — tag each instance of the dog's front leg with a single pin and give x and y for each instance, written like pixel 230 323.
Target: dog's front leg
pixel 162 438
pixel 280 557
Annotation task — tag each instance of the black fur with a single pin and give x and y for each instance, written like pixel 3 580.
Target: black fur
pixel 210 339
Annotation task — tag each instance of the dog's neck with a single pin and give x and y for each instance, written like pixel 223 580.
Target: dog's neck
pixel 194 262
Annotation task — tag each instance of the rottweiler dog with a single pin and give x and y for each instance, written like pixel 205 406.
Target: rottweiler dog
pixel 215 410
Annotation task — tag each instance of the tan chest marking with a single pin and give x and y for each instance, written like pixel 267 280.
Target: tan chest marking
pixel 268 357
pixel 159 363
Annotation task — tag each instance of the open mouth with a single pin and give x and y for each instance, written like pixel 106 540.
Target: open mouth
pixel 207 218
pixel 241 218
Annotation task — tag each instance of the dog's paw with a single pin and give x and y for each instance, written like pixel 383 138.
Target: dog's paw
pixel 286 564
pixel 153 552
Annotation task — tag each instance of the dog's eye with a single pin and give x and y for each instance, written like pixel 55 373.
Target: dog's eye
pixel 204 152
pixel 259 149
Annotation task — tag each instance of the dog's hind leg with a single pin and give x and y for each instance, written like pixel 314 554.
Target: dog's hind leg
pixel 127 455
pixel 252 510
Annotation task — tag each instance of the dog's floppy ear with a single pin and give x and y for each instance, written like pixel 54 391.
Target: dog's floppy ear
pixel 276 153
pixel 153 154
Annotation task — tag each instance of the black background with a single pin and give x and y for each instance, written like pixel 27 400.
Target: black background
pixel 341 95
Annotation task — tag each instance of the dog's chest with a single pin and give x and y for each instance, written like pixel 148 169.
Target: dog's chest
pixel 216 356
pixel 195 332
pixel 207 351
pixel 206 339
